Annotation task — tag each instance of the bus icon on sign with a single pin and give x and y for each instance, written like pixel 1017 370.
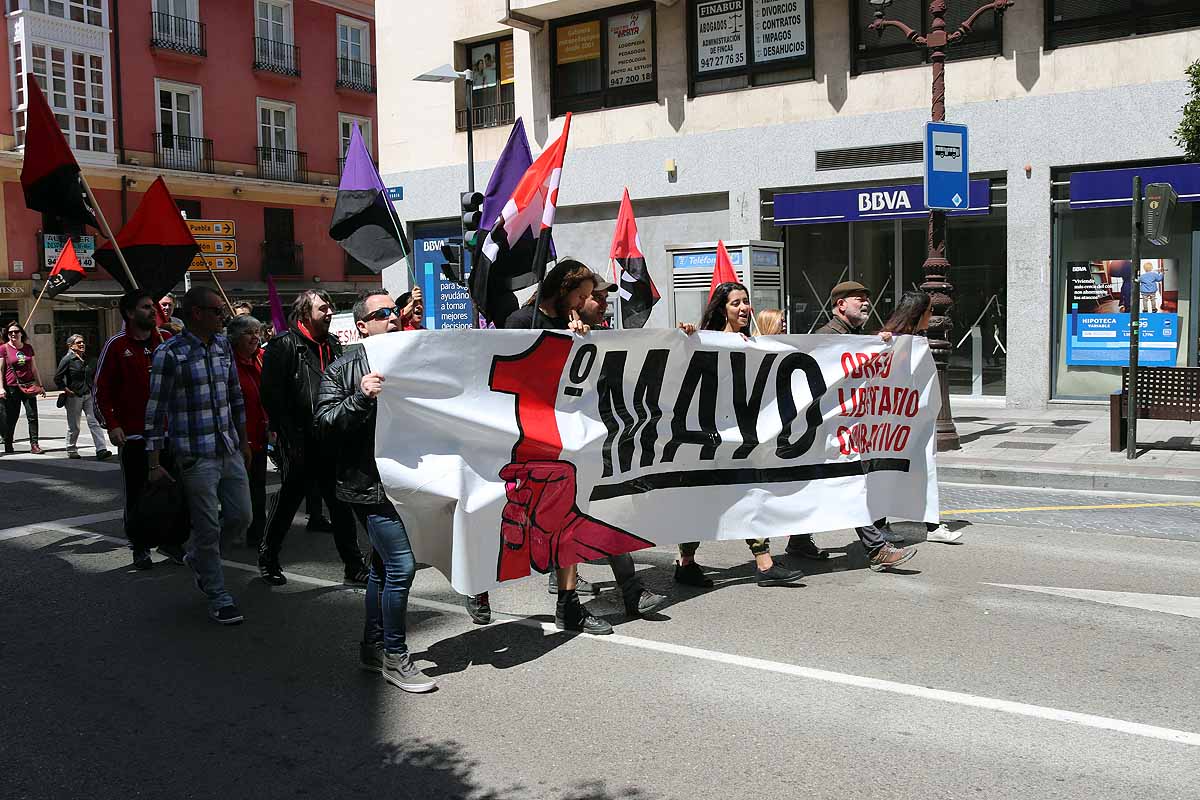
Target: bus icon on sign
pixel 947 151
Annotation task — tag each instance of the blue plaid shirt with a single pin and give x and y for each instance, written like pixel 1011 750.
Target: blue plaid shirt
pixel 195 398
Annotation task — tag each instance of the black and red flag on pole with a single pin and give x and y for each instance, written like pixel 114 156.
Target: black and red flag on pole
pixel 637 290
pixel 156 242
pixel 66 273
pixel 50 174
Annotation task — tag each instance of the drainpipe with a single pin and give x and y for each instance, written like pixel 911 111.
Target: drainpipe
pixel 118 104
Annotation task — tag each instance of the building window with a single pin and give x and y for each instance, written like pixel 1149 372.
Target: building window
pixel 354 40
pixel 346 126
pixel 278 159
pixel 493 84
pixel 1074 22
pixel 281 255
pixel 604 60
pixel 274 50
pixel 87 11
pixel 189 208
pixel 177 26
pixel 872 53
pixel 73 83
pixel 733 44
pixel 179 139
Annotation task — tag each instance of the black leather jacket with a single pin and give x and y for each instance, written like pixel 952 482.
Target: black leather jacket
pixel 345 422
pixel 291 376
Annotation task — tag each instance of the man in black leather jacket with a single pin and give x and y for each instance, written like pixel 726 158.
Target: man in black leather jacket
pixel 345 416
pixel 291 375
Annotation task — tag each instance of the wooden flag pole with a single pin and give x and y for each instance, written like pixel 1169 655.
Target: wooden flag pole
pixel 35 303
pixel 539 269
pixel 213 273
pixel 107 231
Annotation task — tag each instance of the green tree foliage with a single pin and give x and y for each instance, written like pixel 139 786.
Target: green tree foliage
pixel 1187 135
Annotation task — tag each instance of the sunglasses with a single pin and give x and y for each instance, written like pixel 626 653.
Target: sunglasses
pixel 382 313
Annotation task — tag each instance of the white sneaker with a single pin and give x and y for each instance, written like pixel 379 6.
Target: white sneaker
pixel 943 534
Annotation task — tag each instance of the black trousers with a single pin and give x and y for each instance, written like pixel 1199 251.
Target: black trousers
pixel 297 477
pixel 14 398
pixel 258 498
pixel 135 470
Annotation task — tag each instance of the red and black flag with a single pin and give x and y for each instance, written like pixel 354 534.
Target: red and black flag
pixel 156 242
pixel 50 174
pixel 636 288
pixel 363 223
pixel 66 273
pixel 724 272
pixel 528 216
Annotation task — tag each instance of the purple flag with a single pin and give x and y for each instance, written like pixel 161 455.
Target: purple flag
pixel 363 222
pixel 278 318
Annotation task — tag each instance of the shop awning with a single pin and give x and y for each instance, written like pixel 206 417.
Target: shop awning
pixel 1109 188
pixel 869 203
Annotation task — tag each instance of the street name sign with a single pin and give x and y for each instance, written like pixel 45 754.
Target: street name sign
pixel 947 170
pixel 203 262
pixel 212 227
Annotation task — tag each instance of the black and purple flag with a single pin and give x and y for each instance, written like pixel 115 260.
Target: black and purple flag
pixel 363 224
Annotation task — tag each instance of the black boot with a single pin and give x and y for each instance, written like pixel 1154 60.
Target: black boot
pixel 570 615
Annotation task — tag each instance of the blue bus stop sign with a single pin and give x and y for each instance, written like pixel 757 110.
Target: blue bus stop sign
pixel 947 173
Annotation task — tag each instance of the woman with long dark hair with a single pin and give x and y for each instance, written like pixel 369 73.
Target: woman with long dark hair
pixel 22 385
pixel 729 311
pixel 911 318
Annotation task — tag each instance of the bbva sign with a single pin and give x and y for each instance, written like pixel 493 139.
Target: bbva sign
pixel 887 200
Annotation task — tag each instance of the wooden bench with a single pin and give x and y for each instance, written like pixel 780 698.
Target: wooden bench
pixel 1162 393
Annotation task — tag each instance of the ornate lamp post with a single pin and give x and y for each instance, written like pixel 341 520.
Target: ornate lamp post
pixel 936 267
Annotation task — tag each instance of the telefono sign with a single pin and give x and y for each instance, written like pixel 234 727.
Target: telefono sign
pixel 869 203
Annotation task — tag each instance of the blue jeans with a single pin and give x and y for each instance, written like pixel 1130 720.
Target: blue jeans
pixel 218 495
pixel 391 576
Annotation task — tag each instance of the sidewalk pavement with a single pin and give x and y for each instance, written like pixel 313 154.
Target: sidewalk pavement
pixel 1067 447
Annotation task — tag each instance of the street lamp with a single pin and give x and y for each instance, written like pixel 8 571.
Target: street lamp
pixel 936 267
pixel 448 74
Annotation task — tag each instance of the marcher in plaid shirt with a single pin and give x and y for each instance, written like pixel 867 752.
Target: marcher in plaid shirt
pixel 196 409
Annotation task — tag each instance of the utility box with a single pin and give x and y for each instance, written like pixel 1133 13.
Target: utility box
pixel 758 264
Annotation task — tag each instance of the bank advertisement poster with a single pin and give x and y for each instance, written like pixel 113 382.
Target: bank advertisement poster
pixel 1099 296
pixel 630 49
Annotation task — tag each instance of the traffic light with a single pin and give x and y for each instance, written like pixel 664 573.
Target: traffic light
pixel 471 216
pixel 1159 209
pixel 453 268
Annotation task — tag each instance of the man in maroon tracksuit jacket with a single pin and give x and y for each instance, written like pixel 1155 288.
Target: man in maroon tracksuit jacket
pixel 120 393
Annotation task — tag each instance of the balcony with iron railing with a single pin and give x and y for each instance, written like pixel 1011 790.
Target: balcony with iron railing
pixel 282 258
pixel 183 152
pixel 355 75
pixel 489 116
pixel 177 34
pixel 280 58
pixel 277 164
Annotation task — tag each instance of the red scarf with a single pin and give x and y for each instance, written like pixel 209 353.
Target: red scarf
pixel 324 351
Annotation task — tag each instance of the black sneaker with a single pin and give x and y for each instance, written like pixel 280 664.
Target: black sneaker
pixel 226 615
pixel 173 552
pixel 142 560
pixel 804 547
pixel 399 670
pixel 574 617
pixel 271 572
pixel 646 603
pixel 319 524
pixel 73 454
pixel 370 656
pixel 354 574
pixel 480 609
pixel 777 576
pixel 103 455
pixel 692 575
pixel 582 586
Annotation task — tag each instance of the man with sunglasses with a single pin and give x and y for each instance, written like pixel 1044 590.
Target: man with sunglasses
pixel 293 365
pixel 346 418
pixel 196 406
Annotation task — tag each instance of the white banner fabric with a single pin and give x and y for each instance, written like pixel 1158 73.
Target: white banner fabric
pixel 506 449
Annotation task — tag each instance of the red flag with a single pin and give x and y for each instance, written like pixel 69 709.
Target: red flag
pixel 49 172
pixel 636 288
pixel 157 243
pixel 724 272
pixel 66 273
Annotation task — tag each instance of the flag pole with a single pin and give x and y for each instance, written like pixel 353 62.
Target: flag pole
pixel 212 273
pixel 107 231
pixel 539 269
pixel 35 303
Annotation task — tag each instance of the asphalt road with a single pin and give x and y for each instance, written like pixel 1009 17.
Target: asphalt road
pixel 1051 655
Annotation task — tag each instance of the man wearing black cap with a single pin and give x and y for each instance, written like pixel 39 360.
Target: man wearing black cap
pixel 850 303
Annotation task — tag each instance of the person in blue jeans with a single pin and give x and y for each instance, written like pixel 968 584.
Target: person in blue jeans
pixel 196 409
pixel 345 420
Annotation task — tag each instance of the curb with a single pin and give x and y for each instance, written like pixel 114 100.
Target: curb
pixel 1032 476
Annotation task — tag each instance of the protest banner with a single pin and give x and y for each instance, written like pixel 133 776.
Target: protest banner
pixel 511 450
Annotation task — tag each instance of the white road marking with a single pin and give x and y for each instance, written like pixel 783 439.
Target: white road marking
pixel 1181 605
pixel 763 665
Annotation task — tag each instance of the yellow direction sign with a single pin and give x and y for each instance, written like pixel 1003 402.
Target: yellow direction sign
pixel 218 247
pixel 202 263
pixel 212 227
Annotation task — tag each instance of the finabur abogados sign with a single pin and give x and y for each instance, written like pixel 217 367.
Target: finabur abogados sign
pixel 869 203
